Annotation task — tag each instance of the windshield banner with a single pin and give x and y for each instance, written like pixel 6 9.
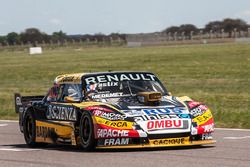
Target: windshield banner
pixel 120 77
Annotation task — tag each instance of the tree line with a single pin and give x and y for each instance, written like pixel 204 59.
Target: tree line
pixel 35 36
pixel 227 25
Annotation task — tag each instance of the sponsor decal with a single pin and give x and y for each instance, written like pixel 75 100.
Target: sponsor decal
pixel 193 104
pixel 90 108
pixel 198 110
pixel 107 95
pixel 160 116
pixel 116 141
pixel 102 133
pixel 206 136
pixel 108 84
pixel 68 79
pixel 119 77
pixel 109 116
pixel 175 110
pixel 165 124
pixel 58 112
pixel 203 118
pixel 50 131
pixel 44 132
pixel 114 124
pixel 208 128
pixel 18 101
pixel 74 78
pixel 170 141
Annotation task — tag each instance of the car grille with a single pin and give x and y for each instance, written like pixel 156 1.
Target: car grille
pixel 169 135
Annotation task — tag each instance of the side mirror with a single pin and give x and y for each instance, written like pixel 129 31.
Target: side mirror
pixel 69 99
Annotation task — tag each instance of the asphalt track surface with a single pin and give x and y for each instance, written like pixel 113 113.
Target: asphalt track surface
pixel 232 150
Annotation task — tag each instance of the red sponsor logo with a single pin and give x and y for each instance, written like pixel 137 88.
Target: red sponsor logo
pixel 203 107
pixel 108 115
pixel 98 108
pixel 208 128
pixel 193 104
pixel 103 133
pixel 97 113
pixel 164 124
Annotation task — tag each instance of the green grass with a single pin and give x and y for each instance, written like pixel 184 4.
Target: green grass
pixel 218 75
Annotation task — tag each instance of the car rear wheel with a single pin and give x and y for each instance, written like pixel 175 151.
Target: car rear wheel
pixel 29 129
pixel 88 141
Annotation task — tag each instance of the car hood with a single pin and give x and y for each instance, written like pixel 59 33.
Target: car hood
pixel 171 115
pixel 125 103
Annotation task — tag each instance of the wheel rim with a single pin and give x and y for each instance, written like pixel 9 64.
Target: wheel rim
pixel 86 130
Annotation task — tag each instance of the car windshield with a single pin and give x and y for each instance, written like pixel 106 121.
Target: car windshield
pixel 122 89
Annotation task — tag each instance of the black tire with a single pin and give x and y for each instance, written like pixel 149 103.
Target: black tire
pixel 87 138
pixel 29 130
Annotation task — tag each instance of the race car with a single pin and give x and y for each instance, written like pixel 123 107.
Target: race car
pixel 113 110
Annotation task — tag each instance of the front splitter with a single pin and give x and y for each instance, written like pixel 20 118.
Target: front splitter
pixel 151 145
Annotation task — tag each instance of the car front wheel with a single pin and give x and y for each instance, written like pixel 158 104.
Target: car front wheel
pixel 87 138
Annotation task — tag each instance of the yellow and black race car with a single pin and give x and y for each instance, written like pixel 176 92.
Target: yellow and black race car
pixel 113 110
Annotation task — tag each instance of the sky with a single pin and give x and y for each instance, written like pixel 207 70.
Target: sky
pixel 114 16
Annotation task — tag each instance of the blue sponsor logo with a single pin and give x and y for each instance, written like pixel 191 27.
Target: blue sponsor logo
pixel 163 111
pixel 183 115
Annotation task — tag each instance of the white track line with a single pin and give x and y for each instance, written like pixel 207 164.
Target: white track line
pixel 9 121
pixel 236 138
pixel 1 125
pixel 10 149
pixel 18 149
pixel 232 129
